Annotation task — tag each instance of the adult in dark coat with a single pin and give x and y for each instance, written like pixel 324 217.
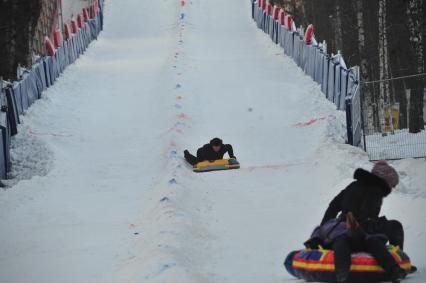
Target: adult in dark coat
pixel 212 151
pixel 364 198
pixel 359 204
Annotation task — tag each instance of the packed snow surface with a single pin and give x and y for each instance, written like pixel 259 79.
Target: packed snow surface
pixel 101 192
pixel 397 145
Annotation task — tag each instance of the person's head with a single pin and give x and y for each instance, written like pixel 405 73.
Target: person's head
pixel 383 170
pixel 216 144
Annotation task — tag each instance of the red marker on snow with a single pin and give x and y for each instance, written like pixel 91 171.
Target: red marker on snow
pixel 282 15
pixel 49 46
pixel 276 10
pixel 268 8
pixel 57 38
pixel 67 31
pixel 85 14
pixel 289 22
pixel 74 25
pixel 94 10
pixel 80 21
pixel 308 34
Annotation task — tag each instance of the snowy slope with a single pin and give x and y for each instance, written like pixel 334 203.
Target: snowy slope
pixel 116 203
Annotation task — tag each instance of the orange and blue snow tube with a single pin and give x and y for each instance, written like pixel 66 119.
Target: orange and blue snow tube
pixel 318 265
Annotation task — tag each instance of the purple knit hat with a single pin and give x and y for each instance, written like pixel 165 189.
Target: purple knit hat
pixel 383 170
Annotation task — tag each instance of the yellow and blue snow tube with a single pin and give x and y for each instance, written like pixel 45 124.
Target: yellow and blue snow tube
pixel 318 265
pixel 221 164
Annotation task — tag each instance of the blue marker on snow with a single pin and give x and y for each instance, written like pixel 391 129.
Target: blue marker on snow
pixel 165 199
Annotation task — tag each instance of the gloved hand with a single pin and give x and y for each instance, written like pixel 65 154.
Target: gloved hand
pixel 351 222
pixel 313 243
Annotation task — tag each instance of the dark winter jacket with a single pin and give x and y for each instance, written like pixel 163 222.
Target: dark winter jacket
pixel 362 197
pixel 207 153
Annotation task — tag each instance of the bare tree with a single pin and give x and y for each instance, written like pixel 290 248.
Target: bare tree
pixel 415 14
pixel 338 26
pixel 384 95
pixel 364 71
pixel 23 26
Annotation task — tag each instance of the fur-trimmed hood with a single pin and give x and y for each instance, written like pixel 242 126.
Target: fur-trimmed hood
pixel 368 178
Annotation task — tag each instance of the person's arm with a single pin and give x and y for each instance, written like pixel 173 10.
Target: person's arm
pixel 201 156
pixel 230 150
pixel 334 207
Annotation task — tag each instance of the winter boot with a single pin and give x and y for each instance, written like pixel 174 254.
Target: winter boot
pixel 413 269
pixel 397 274
pixel 342 276
pixel 190 158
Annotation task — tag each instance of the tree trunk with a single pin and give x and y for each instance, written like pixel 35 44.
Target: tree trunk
pixel 384 101
pixel 17 21
pixel 338 33
pixel 415 18
pixel 367 95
